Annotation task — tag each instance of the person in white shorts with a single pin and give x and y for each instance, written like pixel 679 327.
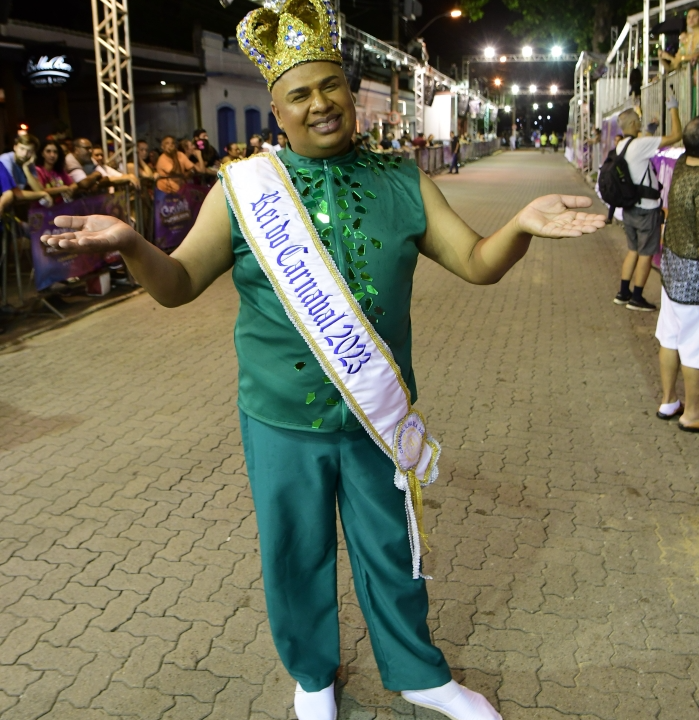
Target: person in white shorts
pixel 678 322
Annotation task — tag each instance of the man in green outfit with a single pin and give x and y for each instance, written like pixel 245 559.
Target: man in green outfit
pixel 307 443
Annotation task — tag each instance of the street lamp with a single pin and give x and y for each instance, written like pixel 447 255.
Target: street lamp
pixel 535 106
pixel 497 82
pixel 503 58
pixel 549 106
pixel 556 51
pixel 455 13
pixel 489 53
pixel 554 89
pixel 515 89
pixel 507 108
pixel 527 51
pixel 532 89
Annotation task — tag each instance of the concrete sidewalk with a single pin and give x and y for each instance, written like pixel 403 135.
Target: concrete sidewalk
pixel 565 523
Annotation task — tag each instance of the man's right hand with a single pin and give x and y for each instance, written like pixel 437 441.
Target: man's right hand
pixel 91 234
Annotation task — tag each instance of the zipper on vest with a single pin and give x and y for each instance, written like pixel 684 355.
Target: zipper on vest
pixel 339 257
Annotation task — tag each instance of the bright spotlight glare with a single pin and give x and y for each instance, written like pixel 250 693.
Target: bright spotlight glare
pixel 527 51
pixel 503 58
pixel 515 89
pixel 507 108
pixel 456 13
pixel 532 88
pixel 535 106
pixel 556 51
pixel 489 52
pixel 497 82
pixel 548 117
pixel 539 117
pixel 554 89
pixel 549 106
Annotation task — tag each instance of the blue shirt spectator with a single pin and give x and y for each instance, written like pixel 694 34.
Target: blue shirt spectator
pixel 20 160
pixel 7 182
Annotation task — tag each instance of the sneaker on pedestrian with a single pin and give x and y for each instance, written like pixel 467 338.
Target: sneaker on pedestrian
pixel 643 305
pixel 622 298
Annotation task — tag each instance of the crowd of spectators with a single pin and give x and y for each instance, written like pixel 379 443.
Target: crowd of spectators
pixel 61 168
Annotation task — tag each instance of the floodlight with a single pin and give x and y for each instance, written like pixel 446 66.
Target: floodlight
pixel 503 58
pixel 527 51
pixel 548 117
pixel 507 108
pixel 549 106
pixel 515 89
pixel 535 106
pixel 556 51
pixel 162 82
pixel 554 89
pixel 489 52
pixel 497 82
pixel 532 88
pixel 539 117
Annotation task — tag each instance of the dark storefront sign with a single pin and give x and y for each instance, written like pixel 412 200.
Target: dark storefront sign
pixel 49 69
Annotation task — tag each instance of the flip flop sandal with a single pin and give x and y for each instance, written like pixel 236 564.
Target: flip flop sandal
pixel 677 412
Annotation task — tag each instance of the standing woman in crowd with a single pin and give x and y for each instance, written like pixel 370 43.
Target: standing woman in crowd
pixel 145 171
pixel 50 173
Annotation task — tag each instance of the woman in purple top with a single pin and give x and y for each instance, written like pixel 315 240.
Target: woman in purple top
pixel 51 174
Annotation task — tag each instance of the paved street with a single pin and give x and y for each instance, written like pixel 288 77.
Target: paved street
pixel 565 523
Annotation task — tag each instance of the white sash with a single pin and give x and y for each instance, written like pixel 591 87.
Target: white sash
pixel 315 296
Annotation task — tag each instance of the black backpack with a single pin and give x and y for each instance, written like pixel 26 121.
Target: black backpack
pixel 615 184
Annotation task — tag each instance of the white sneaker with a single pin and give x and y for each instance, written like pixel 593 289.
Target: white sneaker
pixel 316 705
pixel 454 701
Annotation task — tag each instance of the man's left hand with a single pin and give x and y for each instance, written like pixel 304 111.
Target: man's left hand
pixel 556 216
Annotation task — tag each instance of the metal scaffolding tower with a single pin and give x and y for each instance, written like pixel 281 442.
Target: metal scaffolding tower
pixel 110 19
pixel 419 98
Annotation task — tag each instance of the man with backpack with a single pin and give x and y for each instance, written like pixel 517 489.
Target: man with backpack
pixel 636 179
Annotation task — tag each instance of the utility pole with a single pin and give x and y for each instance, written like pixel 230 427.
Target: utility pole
pixel 395 73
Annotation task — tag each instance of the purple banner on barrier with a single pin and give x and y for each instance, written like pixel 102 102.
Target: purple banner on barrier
pixel 52 266
pixel 175 214
pixel 664 163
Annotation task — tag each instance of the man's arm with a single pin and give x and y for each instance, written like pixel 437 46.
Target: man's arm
pixel 173 280
pixel 484 261
pixel 675 125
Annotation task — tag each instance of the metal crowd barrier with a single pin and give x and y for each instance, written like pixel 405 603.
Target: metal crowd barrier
pixel 438 157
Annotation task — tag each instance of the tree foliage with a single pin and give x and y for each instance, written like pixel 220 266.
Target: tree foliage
pixel 585 24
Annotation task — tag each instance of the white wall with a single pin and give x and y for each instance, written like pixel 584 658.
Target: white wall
pixel 439 117
pixel 374 104
pixel 232 80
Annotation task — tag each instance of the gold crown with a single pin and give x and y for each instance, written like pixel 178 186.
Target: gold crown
pixel 282 35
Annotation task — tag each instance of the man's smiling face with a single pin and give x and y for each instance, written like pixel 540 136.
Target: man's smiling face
pixel 313 105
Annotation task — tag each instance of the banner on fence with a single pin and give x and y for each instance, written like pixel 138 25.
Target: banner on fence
pixel 51 265
pixel 664 163
pixel 175 214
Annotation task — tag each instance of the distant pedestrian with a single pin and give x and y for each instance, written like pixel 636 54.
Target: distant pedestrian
pixel 678 322
pixel 544 141
pixel 454 146
pixel 536 139
pixel 642 222
pixel 513 139
pixel 553 140
pixel 266 135
pixel 419 141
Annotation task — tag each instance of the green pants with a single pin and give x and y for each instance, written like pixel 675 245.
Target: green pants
pixel 296 478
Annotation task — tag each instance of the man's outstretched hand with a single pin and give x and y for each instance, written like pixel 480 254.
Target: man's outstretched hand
pixel 557 216
pixel 91 234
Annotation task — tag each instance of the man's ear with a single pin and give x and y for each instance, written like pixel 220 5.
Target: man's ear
pixel 278 117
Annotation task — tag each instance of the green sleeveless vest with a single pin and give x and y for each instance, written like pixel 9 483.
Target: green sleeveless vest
pixel 369 213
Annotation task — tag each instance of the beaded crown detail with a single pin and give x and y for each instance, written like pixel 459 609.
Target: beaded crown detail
pixel 282 35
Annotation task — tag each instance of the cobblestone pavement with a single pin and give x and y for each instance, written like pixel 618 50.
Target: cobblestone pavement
pixel 565 541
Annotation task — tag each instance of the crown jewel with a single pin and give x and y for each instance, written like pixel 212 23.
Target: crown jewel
pixel 287 33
